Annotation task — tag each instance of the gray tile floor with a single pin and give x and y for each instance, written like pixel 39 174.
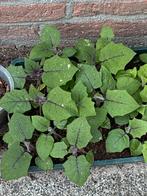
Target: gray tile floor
pixel 122 180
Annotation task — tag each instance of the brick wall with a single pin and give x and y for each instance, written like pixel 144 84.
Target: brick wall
pixel 22 20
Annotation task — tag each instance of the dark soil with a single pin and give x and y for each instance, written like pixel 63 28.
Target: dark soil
pixel 9 53
pixel 4 87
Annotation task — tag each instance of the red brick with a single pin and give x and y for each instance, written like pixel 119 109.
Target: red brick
pixel 75 31
pixel 123 7
pixel 91 29
pixel 32 12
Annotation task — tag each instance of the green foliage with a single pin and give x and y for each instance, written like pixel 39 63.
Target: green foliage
pixel 143 57
pixel 59 150
pixel 120 103
pixel 16 101
pixel 57 71
pixel 44 146
pixel 15 162
pixel 59 105
pixel 77 169
pixel 44 164
pixel 138 127
pixel 78 133
pixel 67 98
pixel 136 147
pixel 115 57
pixel 89 76
pixel 18 75
pixel 20 127
pixel 117 141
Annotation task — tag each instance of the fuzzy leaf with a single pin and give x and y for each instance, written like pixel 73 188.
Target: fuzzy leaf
pixel 122 120
pixel 59 150
pixel 85 51
pixel 84 104
pixel 143 94
pixel 15 162
pixel 51 36
pixel 8 138
pixel 129 84
pixel 60 125
pixel 44 164
pixel 107 32
pixel 117 141
pixel 44 146
pixel 115 57
pixel 143 57
pixel 16 101
pixel 90 157
pixel 58 71
pixel 142 73
pixel 89 76
pixel 40 123
pixel 95 122
pixel 68 52
pixel 77 169
pixel 18 75
pixel 30 65
pixel 41 50
pixel 21 127
pixel 108 81
pixel 120 103
pixel 135 147
pixel 59 105
pixel 78 133
pixel 144 151
pixel 138 127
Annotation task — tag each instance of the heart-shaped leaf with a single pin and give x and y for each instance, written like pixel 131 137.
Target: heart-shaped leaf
pixel 77 169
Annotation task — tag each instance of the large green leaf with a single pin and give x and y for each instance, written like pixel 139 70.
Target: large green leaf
pixel 120 103
pixel 129 84
pixel 138 127
pixel 59 150
pixel 40 123
pixel 117 141
pixel 44 146
pixel 16 101
pixel 59 105
pixel 84 103
pixel 89 76
pixel 21 127
pixel 115 57
pixel 58 71
pixel 18 75
pixel 78 133
pixel 44 164
pixel 50 35
pixel 95 122
pixel 108 81
pixel 41 50
pixel 144 151
pixel 15 162
pixel 77 169
pixel 136 147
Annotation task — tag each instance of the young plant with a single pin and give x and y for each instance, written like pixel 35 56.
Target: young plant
pixel 65 98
